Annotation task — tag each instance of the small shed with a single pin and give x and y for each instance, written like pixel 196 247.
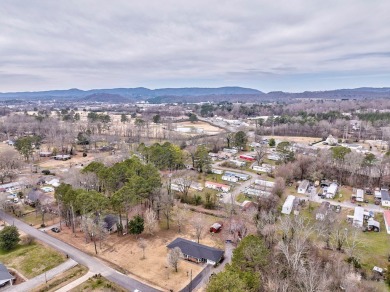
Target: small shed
pixel 215 228
pixel 288 205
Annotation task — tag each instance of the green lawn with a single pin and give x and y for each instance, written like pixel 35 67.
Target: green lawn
pixel 31 260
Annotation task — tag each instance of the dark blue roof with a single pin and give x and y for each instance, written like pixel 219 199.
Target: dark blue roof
pixel 197 250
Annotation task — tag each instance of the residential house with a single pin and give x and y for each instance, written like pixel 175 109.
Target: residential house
pixel 385 198
pixel 265 183
pixel 288 205
pixel 359 197
pixel 229 178
pixel 322 211
pixel 110 223
pixel 217 171
pixel 263 168
pixel 358 217
pixel 197 252
pixel 331 191
pixel 241 176
pixel 386 217
pixel 331 140
pixel 217 186
pixel 5 276
pixel 45 153
pixel 238 163
pixel 247 157
pixel 37 196
pixel 230 150
pixel 248 206
pixel 303 186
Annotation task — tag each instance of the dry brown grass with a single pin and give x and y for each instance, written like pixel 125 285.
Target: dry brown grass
pixel 124 252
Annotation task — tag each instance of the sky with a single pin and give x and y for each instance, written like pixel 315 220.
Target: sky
pixel 268 45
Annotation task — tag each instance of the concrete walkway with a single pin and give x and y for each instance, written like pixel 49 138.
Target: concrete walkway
pixel 76 282
pixel 42 278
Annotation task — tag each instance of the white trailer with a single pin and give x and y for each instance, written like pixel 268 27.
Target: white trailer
pixel 264 183
pixel 288 205
pixel 230 178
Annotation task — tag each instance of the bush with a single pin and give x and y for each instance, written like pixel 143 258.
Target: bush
pixel 9 238
pixel 28 240
pixel 46 172
pixel 197 200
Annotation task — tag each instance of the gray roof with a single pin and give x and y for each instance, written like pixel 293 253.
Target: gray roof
pixel 197 250
pixel 110 221
pixel 4 274
pixel 385 195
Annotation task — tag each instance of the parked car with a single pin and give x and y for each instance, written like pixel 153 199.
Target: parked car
pixel 56 230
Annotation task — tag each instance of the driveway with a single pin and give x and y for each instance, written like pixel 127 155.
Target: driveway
pixel 94 265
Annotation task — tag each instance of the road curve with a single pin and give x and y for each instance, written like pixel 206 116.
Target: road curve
pixel 94 265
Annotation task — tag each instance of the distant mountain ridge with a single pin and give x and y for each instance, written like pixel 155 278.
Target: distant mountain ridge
pixel 191 94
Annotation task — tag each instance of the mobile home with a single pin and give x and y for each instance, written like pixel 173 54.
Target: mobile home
pixel 288 205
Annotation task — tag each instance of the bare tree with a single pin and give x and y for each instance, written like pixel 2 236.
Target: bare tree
pixel 10 164
pixel 150 222
pixel 184 180
pixel 180 215
pixel 173 257
pixel 198 223
pixel 261 153
pixel 142 244
pixel 279 187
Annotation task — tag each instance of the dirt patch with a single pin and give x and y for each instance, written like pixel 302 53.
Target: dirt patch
pixel 124 252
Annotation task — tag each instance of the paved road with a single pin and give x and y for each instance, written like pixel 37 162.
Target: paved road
pixel 42 278
pixel 313 196
pixel 94 265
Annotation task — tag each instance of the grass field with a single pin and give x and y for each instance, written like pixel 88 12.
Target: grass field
pixel 31 260
pixel 98 284
pixel 62 279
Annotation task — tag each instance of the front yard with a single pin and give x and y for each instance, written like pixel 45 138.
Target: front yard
pixel 126 255
pixel 31 260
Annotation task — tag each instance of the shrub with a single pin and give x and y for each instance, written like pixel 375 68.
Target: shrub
pixel 9 238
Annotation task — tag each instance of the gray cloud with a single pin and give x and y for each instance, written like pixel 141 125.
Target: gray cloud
pixel 287 45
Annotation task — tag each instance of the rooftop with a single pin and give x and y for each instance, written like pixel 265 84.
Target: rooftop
pixel 197 250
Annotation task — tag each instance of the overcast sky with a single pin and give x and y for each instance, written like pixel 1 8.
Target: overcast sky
pixel 269 45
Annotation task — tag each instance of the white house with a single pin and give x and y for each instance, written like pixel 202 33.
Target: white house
pixel 230 150
pixel 241 176
pixel 303 186
pixel 237 162
pixel 217 186
pixel 217 171
pixel 359 195
pixel 288 205
pixel 358 217
pixel 386 216
pixel 230 178
pixel 331 191
pixel 385 198
pixel 262 168
pixel 273 156
pixel 265 183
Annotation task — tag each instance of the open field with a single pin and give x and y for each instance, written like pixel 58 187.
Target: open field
pixel 202 125
pixel 35 220
pixel 124 253
pixel 301 140
pixel 62 279
pixel 31 260
pixel 5 147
